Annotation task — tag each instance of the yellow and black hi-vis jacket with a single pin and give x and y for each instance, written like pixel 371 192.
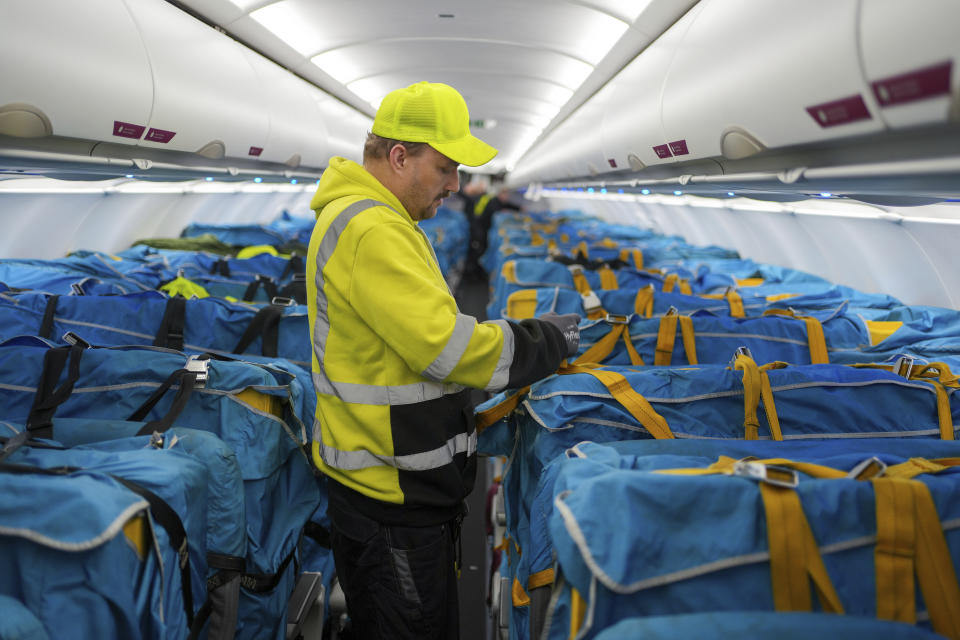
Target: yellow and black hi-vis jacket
pixel 393 356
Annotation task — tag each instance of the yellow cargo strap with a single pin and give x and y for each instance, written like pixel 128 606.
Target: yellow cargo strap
pixel 725 465
pixel 748 282
pixel 910 542
pixel 180 286
pixel 939 376
pixel 537 240
pixel 916 466
pixel 734 301
pixel 581 249
pixel 816 341
pixel 634 255
pixel 552 246
pixel 256 250
pixel 667 335
pixel 781 296
pixel 580 282
pixel 509 272
pixel 674 281
pixel 756 387
pixel 795 558
pixel 623 393
pixel 522 304
pixel 608 243
pixel 499 411
pixel 880 330
pixel 520 597
pixel 540 579
pixel 578 611
pixel 604 346
pixel 608 279
pixel 643 303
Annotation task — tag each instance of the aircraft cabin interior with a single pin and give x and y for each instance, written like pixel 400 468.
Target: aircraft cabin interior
pixel 748 211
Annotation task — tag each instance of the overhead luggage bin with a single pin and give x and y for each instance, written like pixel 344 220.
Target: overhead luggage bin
pixel 723 98
pixel 911 59
pixel 207 98
pixel 104 94
pixel 632 131
pixel 297 134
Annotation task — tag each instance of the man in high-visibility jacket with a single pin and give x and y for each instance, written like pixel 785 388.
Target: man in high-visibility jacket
pixel 392 360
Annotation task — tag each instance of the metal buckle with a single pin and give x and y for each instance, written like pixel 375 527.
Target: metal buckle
pixel 282 302
pixel 771 474
pixel 614 318
pixel 903 366
pixel 741 351
pixel 199 368
pixel 575 268
pixel 870 468
pixel 73 339
pixel 591 301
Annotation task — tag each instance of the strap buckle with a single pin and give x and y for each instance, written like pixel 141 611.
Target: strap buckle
pixel 740 351
pixel 76 289
pixel 614 318
pixel 74 340
pixel 870 468
pixel 575 269
pixel 279 301
pixel 591 301
pixel 199 368
pixel 771 474
pixel 903 366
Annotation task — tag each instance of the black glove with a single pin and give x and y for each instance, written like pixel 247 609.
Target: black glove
pixel 568 324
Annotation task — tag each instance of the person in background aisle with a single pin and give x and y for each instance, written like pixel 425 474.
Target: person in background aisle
pixel 483 211
pixel 392 360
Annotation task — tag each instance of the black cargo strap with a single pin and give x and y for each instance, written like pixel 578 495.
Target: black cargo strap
pixel 318 533
pixel 46 326
pixel 269 286
pixel 295 266
pixel 187 380
pixel 221 267
pixel 49 395
pixel 172 325
pixel 263 582
pixel 223 596
pixel 162 512
pixel 266 324
pixel 296 289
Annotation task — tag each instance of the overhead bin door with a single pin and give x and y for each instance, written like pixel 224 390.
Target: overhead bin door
pixel 297 133
pixel 751 75
pixel 74 69
pixel 911 58
pixel 633 133
pixel 207 98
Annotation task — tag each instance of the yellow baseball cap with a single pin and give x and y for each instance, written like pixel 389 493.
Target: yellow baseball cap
pixel 434 113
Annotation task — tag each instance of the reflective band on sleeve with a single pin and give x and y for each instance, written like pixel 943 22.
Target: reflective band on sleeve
pixel 456 346
pixel 382 395
pixel 501 375
pixel 425 461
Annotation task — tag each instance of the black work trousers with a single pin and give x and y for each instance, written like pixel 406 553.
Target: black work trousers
pixel 400 582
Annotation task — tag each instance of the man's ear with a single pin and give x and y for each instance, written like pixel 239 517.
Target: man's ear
pixel 397 157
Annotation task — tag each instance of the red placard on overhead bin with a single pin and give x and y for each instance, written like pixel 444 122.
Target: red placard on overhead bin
pixel 662 151
pixel 127 130
pixel 679 147
pixel 830 114
pixel 160 135
pixel 255 151
pixel 918 84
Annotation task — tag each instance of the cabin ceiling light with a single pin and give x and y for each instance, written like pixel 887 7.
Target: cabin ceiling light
pixel 284 21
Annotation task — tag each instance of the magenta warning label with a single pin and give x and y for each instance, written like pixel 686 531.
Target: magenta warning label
pixel 255 151
pixel 612 163
pixel 127 130
pixel 918 84
pixel 160 135
pixel 842 111
pixel 679 147
pixel 662 151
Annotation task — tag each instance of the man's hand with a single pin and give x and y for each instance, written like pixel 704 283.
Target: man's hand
pixel 568 324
